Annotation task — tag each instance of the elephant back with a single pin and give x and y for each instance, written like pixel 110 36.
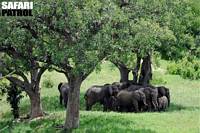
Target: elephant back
pixel 95 92
pixel 124 97
pixel 64 88
pixel 134 87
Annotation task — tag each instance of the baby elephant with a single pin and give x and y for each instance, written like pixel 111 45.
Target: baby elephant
pixel 162 103
pixel 64 90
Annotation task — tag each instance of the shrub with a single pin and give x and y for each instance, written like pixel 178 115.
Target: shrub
pixel 47 83
pixel 185 68
pixel 14 95
pixel 3 86
pixel 158 80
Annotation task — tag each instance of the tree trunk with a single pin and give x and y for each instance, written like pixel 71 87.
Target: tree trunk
pixel 146 71
pixel 135 72
pixel 36 107
pixel 72 113
pixel 31 88
pixel 124 73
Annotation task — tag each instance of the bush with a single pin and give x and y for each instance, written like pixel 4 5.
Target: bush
pixel 3 86
pixel 158 80
pixel 186 68
pixel 47 83
pixel 14 95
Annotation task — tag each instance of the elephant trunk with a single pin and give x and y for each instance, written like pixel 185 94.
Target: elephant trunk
pixel 145 102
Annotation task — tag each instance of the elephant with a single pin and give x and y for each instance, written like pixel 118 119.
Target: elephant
pixel 162 103
pixel 151 94
pixel 163 91
pixel 63 90
pixel 130 100
pixel 113 103
pixel 121 85
pixel 100 94
pixel 134 87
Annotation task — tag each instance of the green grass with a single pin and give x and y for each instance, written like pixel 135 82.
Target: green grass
pixel 183 116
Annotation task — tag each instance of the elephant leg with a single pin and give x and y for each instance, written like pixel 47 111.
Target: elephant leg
pixel 130 109
pixel 89 104
pixel 65 103
pixel 105 103
pixel 140 107
pixel 155 105
pixel 125 109
pixel 120 109
pixel 135 105
pixel 65 98
pixel 149 107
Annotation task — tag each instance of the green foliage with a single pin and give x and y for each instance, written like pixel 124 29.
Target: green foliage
pixel 76 32
pixel 158 80
pixel 186 68
pixel 14 95
pixel 47 83
pixel 3 87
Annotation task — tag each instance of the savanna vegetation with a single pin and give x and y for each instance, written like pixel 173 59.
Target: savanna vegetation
pixel 182 116
pixel 67 41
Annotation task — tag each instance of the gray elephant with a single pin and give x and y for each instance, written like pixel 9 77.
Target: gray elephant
pixel 130 100
pixel 162 103
pixel 63 90
pixel 100 94
pixel 134 87
pixel 163 91
pixel 121 85
pixel 151 94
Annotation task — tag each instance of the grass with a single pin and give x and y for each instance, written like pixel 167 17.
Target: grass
pixel 183 116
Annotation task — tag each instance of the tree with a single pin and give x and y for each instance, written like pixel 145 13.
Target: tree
pixel 19 61
pixel 159 26
pixel 76 39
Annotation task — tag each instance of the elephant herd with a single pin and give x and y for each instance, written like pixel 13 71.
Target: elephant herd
pixel 123 97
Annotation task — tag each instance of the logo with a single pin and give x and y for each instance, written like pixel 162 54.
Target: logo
pixel 16 9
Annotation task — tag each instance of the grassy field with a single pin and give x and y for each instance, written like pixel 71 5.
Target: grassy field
pixel 183 116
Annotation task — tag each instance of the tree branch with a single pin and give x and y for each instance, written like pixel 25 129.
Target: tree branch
pixel 23 76
pixel 41 71
pixel 16 81
pixel 12 52
pixel 59 70
pixel 26 25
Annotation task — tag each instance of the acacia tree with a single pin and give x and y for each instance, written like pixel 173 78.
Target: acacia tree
pixel 19 62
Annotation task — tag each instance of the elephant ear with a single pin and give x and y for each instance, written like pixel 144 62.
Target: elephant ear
pixel 59 86
pixel 142 95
